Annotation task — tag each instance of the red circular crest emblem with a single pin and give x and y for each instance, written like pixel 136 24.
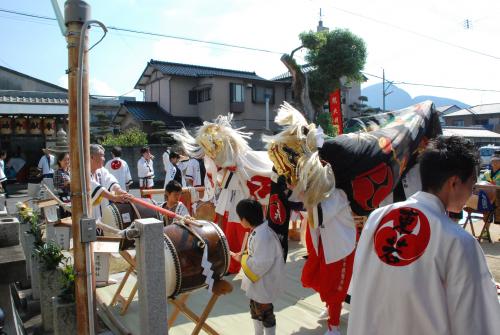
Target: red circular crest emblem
pixel 277 212
pixel 116 164
pixel 401 236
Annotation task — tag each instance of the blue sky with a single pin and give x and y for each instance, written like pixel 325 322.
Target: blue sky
pixel 37 48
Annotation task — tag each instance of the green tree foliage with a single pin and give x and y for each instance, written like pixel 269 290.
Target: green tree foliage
pixel 333 55
pixel 129 138
pixel 325 121
pixel 68 284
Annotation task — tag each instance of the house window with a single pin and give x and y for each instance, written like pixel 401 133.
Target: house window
pixel 197 96
pixel 204 94
pixel 236 92
pixel 259 94
pixel 481 122
pixel 458 123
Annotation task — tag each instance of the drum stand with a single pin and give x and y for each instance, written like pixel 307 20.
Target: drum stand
pixel 118 297
pixel 220 288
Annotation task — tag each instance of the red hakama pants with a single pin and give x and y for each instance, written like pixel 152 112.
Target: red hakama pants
pixel 235 234
pixel 331 281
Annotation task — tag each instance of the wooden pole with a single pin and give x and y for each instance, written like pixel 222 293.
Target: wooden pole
pixel 81 288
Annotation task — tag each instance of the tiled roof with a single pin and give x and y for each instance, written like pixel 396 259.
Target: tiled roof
pixel 477 110
pixel 288 77
pixel 151 111
pixel 46 83
pixel 29 97
pixel 469 132
pixel 486 109
pixel 187 70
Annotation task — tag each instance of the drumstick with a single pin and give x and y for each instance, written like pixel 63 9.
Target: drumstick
pixel 244 244
pixel 56 198
pixel 162 210
pixel 199 189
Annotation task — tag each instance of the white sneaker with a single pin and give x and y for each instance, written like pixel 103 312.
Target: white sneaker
pixel 324 314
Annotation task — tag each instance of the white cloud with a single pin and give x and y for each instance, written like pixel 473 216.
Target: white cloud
pixel 99 87
pixel 63 81
pixel 275 25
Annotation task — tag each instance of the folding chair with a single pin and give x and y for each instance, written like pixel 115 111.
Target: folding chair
pixel 480 207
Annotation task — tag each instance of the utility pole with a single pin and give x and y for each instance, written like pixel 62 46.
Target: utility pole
pixel 385 89
pixel 77 12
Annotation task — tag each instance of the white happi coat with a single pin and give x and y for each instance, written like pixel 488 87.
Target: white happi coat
pixel 431 276
pixel 119 168
pixel 335 225
pixel 46 163
pixel 101 179
pixel 263 266
pixel 170 170
pixel 193 172
pixel 145 172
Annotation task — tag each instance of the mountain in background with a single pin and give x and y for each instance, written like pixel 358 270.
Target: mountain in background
pixel 399 98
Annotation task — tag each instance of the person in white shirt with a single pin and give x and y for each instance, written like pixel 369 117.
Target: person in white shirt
pixel 193 173
pixel 263 266
pixel 415 270
pixel 3 178
pixel 172 171
pixel 119 168
pixel 103 183
pixel 145 170
pixel 46 163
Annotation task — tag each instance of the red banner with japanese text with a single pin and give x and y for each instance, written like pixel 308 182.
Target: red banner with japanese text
pixel 334 104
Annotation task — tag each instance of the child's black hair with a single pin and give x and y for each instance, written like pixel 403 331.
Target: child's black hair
pixel 173 186
pixel 174 154
pixel 251 210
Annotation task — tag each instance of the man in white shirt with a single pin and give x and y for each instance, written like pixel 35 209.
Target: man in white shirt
pixel 46 163
pixel 415 270
pixel 119 168
pixel 103 183
pixel 145 170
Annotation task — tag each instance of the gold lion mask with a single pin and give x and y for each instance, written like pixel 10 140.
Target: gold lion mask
pixel 211 141
pixel 285 159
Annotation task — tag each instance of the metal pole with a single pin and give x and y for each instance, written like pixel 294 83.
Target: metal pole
pixel 76 13
pixel 383 90
pixel 267 112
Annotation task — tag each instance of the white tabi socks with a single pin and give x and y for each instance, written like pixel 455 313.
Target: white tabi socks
pixel 270 331
pixel 258 326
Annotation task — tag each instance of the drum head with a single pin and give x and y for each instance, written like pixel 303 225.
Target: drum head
pixel 172 268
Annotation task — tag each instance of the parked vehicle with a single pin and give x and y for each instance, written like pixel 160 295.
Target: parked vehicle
pixel 486 153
